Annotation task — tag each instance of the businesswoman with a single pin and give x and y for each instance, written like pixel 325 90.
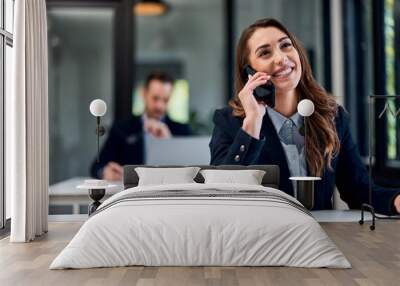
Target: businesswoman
pixel 250 132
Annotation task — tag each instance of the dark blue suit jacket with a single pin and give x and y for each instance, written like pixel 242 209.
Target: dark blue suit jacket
pixel 125 144
pixel 231 145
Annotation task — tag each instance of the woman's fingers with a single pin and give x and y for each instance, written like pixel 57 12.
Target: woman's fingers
pixel 257 75
pixel 262 104
pixel 260 77
pixel 251 85
pixel 256 83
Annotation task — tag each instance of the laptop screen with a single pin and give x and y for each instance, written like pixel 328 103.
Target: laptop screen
pixel 188 150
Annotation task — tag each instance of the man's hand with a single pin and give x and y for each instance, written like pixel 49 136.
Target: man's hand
pixel 397 203
pixel 112 172
pixel 157 128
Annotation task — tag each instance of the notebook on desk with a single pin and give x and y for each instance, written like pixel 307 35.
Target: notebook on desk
pixel 188 150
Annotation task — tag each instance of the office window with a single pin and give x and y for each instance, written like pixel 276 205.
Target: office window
pixel 359 74
pixel 6 59
pixel 386 15
pixel 371 45
pixel 392 65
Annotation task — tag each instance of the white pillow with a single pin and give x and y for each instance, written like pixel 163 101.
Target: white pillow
pixel 248 177
pixel 163 176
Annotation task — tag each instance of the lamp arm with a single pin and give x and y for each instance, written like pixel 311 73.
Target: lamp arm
pixel 98 139
pixel 100 131
pixel 305 139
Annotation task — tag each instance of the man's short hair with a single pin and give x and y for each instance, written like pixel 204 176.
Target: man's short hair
pixel 161 76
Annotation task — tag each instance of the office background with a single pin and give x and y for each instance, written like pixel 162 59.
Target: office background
pixel 194 41
pixel 102 49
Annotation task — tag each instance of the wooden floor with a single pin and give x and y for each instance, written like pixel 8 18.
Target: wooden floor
pixel 374 255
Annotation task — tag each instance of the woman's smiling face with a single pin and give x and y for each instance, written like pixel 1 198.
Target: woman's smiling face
pixel 272 52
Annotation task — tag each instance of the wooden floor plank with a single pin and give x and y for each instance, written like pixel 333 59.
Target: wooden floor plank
pixel 374 255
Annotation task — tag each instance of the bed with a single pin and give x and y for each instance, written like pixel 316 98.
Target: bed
pixel 198 224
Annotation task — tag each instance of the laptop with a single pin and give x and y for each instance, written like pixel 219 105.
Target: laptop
pixel 188 150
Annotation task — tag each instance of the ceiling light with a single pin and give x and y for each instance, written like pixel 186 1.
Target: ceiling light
pixel 150 8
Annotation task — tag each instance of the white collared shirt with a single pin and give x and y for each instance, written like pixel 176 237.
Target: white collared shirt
pixel 295 155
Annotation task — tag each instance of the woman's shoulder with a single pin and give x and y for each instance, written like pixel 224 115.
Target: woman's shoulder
pixel 341 114
pixel 224 116
pixel 225 111
pixel 342 119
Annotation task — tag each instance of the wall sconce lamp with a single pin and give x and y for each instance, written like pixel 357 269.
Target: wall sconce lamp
pixel 304 190
pixel 98 108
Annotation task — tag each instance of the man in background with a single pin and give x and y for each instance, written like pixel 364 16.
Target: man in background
pixel 125 142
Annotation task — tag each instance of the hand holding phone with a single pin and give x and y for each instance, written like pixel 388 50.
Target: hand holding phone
pixel 254 110
pixel 263 93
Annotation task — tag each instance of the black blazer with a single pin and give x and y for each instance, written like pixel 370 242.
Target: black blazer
pixel 125 144
pixel 231 145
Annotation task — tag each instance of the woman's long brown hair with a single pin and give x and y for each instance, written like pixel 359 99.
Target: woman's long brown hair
pixel 322 142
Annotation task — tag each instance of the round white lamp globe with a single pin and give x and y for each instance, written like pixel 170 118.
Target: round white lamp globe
pixel 98 107
pixel 305 107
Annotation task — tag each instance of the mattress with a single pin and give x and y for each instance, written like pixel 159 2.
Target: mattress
pixel 201 225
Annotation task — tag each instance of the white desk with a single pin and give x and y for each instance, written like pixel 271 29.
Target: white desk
pixel 66 194
pixel 340 216
pixel 320 216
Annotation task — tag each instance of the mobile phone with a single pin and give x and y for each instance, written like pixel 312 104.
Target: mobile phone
pixel 264 93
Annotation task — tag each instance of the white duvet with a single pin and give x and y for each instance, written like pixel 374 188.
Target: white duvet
pixel 187 231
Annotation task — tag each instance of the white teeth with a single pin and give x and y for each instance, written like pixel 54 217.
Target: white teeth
pixel 284 72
